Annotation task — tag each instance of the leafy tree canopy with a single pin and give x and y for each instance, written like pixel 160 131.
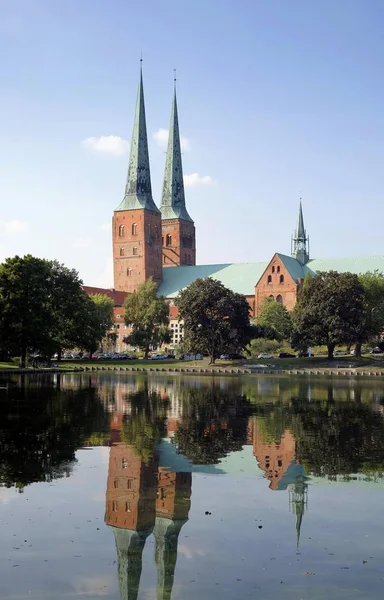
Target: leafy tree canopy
pixel 330 311
pixel 274 315
pixel 215 318
pixel 373 322
pixel 148 315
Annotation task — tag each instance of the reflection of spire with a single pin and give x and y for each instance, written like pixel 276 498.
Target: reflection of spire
pixel 166 535
pixel 298 501
pixel 129 546
pixel 130 512
pixel 172 509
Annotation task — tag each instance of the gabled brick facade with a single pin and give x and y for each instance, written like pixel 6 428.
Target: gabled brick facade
pixel 277 283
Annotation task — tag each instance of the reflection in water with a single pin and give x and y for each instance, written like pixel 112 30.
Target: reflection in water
pixel 160 430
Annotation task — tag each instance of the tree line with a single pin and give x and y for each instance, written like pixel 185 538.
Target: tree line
pixel 44 310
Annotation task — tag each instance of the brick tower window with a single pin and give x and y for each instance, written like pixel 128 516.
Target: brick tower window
pixel 278 269
pixel 122 252
pixel 129 272
pixel 169 240
pixel 281 278
pixel 134 228
pixel 273 269
pixel 269 280
pixel 121 231
pixel 134 251
pixel 279 299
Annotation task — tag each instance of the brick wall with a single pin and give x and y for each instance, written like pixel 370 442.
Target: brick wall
pixel 277 283
pixel 179 243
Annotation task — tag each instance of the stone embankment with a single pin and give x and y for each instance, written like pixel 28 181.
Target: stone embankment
pixel 201 370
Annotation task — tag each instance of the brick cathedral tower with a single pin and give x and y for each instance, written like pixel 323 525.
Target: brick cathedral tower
pixel 136 224
pixel 178 229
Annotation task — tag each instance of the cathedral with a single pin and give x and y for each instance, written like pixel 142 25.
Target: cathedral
pixel 161 243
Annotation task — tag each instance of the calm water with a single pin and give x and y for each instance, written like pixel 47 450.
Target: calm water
pixel 125 487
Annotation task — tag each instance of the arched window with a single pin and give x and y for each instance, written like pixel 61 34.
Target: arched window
pixel 121 230
pixel 134 251
pixel 278 269
pixel 169 240
pixel 269 279
pixel 162 241
pixel 129 272
pixel 122 252
pixel 273 269
pixel 272 297
pixel 134 228
pixel 281 278
pixel 279 299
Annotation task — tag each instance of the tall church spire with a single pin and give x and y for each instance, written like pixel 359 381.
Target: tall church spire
pixel 300 241
pixel 173 197
pixel 138 189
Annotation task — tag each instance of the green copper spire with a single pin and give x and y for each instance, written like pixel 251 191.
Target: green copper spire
pixel 298 499
pixel 138 190
pixel 173 197
pixel 300 241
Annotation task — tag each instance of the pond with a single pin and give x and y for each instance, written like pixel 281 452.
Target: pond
pixel 128 487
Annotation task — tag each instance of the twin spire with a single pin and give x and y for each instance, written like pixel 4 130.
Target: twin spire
pixel 138 190
pixel 300 240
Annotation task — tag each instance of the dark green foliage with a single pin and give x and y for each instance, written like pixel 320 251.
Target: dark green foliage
pixel 330 311
pixel 44 309
pixel 215 319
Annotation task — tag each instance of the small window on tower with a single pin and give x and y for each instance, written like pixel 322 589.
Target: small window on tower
pixel 134 228
pixel 269 279
pixel 134 251
pixel 278 269
pixel 169 240
pixel 281 278
pixel 129 272
pixel 121 230
pixel 273 269
pixel 122 252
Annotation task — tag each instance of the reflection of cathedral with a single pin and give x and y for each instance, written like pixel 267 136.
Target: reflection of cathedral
pixel 277 460
pixel 142 499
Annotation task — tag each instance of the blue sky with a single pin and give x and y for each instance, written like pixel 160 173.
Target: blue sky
pixel 277 99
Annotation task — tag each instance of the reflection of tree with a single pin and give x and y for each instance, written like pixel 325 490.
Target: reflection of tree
pixel 42 427
pixel 145 426
pixel 332 437
pixel 339 438
pixel 214 423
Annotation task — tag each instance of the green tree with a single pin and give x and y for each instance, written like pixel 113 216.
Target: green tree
pixel 26 315
pixel 99 320
pixel 274 315
pixel 330 311
pixel 148 316
pixel 373 323
pixel 215 318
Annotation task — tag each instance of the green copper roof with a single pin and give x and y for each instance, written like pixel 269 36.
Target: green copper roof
pixel 357 264
pixel 239 277
pixel 138 190
pixel 294 268
pixel 173 197
pixel 242 277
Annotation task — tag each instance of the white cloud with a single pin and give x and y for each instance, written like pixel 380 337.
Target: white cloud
pixel 108 144
pixel 105 227
pixel 13 227
pixel 195 180
pixel 161 137
pixel 82 242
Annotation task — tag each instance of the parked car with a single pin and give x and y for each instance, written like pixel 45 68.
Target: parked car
pixel 376 351
pixel 237 357
pixel 264 355
pixel 224 357
pixel 286 355
pixel 158 356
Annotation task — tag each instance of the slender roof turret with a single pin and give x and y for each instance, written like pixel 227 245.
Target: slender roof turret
pixel 173 196
pixel 300 249
pixel 138 189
